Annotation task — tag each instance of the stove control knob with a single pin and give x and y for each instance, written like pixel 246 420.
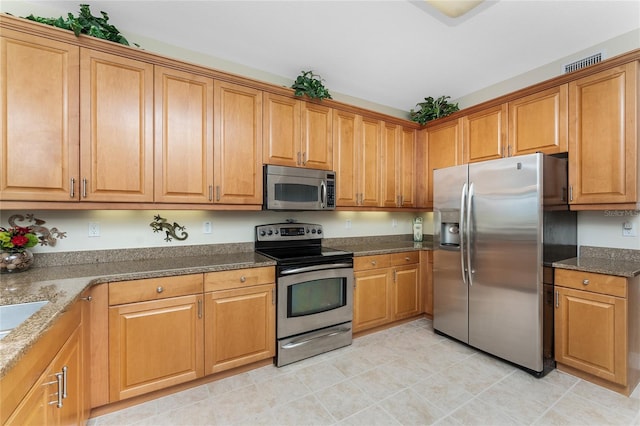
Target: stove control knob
pixel 262 233
pixel 313 231
pixel 319 231
pixel 270 232
pixel 307 230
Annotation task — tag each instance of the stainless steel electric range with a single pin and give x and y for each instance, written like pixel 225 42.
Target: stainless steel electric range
pixel 314 294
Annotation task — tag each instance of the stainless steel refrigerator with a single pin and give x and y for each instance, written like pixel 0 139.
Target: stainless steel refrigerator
pixel 496 223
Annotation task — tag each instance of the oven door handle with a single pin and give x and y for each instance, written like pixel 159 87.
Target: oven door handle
pixel 332 333
pixel 315 268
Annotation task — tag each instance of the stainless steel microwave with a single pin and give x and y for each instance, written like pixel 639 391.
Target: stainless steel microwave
pixel 294 188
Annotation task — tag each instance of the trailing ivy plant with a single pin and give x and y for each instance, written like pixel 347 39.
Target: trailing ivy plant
pixel 85 23
pixel 431 109
pixel 311 85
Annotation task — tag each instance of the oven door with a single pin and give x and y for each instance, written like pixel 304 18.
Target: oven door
pixel 314 297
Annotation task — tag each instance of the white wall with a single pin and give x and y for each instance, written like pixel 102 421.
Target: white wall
pixel 604 228
pixel 130 228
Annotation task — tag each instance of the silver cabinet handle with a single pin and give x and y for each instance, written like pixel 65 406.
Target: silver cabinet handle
pixel 199 308
pixel 58 401
pixel 243 279
pixel 374 263
pixel 407 258
pixel 210 192
pixel 159 289
pixel 557 299
pixel 570 192
pixel 508 150
pixel 273 296
pixel 64 381
pixel 298 162
pixel 395 275
pixel 84 187
pixel 585 282
pixel 217 192
pixel 87 299
pixel 72 190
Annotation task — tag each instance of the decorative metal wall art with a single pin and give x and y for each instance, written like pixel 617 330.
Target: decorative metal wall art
pixel 160 224
pixel 46 236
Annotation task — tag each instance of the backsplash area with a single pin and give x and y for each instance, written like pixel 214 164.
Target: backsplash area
pixel 120 229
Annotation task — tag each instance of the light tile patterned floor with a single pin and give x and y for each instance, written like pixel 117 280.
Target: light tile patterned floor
pixel 406 375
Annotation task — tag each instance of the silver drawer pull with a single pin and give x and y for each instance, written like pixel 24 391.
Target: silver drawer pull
pixel 585 282
pixel 159 289
pixel 374 263
pixel 243 279
pixel 296 343
pixel 407 258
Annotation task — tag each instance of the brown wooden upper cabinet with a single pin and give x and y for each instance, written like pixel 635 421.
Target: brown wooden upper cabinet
pixel 183 137
pixel 116 128
pixel 485 134
pixel 237 144
pixel 603 139
pixel 444 142
pixel 44 126
pixel 398 169
pixel 357 158
pixel 297 133
pixel 538 122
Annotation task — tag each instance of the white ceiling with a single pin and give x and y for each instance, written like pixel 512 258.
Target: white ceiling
pixel 393 52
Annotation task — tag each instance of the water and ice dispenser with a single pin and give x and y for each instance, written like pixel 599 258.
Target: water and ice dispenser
pixel 450 234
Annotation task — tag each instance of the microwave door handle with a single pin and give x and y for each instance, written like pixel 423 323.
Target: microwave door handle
pixel 323 194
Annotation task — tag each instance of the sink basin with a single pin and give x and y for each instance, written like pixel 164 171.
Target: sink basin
pixel 12 316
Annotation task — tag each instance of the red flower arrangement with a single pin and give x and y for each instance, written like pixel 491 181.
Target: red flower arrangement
pixel 17 238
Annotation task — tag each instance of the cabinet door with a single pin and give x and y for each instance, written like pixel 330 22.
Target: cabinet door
pixel 240 327
pixel 538 122
pixel 39 118
pixel 34 407
pixel 406 291
pixel 372 299
pixel 603 151
pixel 445 149
pixel 154 345
pixel 346 127
pixel 370 163
pixel 237 144
pixel 591 333
pixel 282 131
pixel 116 128
pixel 317 136
pixel 183 137
pixel 407 171
pixel 69 364
pixel 390 165
pixel 485 134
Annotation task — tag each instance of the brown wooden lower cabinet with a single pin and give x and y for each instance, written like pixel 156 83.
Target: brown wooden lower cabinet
pixel 386 288
pixel 45 402
pixel 597 328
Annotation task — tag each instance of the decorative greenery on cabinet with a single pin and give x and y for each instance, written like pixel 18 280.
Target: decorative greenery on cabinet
pixel 431 109
pixel 310 84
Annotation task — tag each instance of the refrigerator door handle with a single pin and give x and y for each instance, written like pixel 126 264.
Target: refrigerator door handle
pixel 469 233
pixel 463 199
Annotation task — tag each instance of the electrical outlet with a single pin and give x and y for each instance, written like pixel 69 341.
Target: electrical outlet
pixel 206 227
pixel 347 224
pixel 628 230
pixel 94 229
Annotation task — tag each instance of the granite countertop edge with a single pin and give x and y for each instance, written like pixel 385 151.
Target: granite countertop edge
pixel 63 285
pixel 600 265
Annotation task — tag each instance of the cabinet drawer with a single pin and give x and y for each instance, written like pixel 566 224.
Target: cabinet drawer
pixel 405 258
pixel 588 281
pixel 364 263
pixel 154 288
pixel 237 278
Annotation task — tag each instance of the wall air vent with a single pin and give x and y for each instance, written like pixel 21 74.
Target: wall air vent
pixel 583 63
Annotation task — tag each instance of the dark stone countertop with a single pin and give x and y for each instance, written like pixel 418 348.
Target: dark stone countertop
pixel 63 285
pixel 604 260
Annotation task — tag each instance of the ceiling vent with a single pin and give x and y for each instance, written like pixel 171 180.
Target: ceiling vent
pixel 583 63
